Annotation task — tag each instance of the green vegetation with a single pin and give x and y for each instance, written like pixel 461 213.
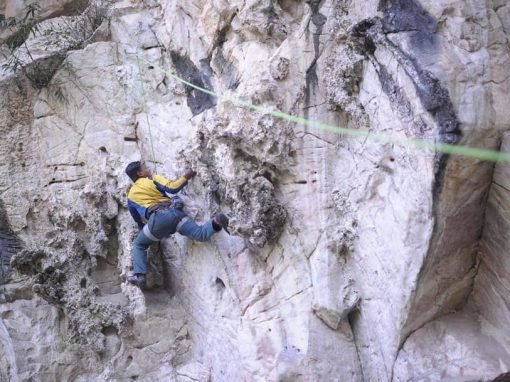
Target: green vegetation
pixel 22 29
pixel 67 33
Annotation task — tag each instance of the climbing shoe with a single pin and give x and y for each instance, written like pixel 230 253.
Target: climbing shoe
pixel 220 221
pixel 137 279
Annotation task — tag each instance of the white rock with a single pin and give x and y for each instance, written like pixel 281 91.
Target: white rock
pixel 351 259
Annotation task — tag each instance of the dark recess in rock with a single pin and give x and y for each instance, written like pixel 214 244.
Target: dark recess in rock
pixel 197 101
pixel 10 245
pixel 353 318
pixel 49 284
pixel 28 262
pixel 502 378
pixel 41 72
pixel 220 284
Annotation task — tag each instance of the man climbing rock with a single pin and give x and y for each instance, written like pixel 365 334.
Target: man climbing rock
pixel 159 215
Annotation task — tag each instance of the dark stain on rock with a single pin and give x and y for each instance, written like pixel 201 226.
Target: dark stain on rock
pixel 406 15
pixel 394 92
pixel 228 72
pixel 10 245
pixel 409 19
pixel 197 101
pixel 317 19
pixel 314 5
pixel 311 78
pixel 312 81
pixel 221 37
pixel 272 26
pixel 409 16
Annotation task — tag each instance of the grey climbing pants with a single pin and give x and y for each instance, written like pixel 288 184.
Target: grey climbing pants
pixel 162 224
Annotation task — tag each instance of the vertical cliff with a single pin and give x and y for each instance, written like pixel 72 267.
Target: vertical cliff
pixel 350 259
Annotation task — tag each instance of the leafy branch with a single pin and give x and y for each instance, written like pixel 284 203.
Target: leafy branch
pixel 61 36
pixel 22 27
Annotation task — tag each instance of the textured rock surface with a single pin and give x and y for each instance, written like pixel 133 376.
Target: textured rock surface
pixel 350 260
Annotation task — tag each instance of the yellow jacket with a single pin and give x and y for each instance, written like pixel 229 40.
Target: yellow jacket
pixel 145 193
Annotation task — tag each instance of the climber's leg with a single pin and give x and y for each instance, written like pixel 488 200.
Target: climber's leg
pixel 139 251
pixel 189 228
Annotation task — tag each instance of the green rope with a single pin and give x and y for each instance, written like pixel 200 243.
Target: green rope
pixel 445 148
pixel 146 112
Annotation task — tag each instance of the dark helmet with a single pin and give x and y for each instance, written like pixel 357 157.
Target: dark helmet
pixel 132 170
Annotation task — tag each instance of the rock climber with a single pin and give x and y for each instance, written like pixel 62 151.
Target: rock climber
pixel 155 207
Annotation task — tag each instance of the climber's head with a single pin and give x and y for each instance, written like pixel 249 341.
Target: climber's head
pixel 137 170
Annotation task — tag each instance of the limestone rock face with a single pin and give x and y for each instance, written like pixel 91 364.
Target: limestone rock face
pixel 350 259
